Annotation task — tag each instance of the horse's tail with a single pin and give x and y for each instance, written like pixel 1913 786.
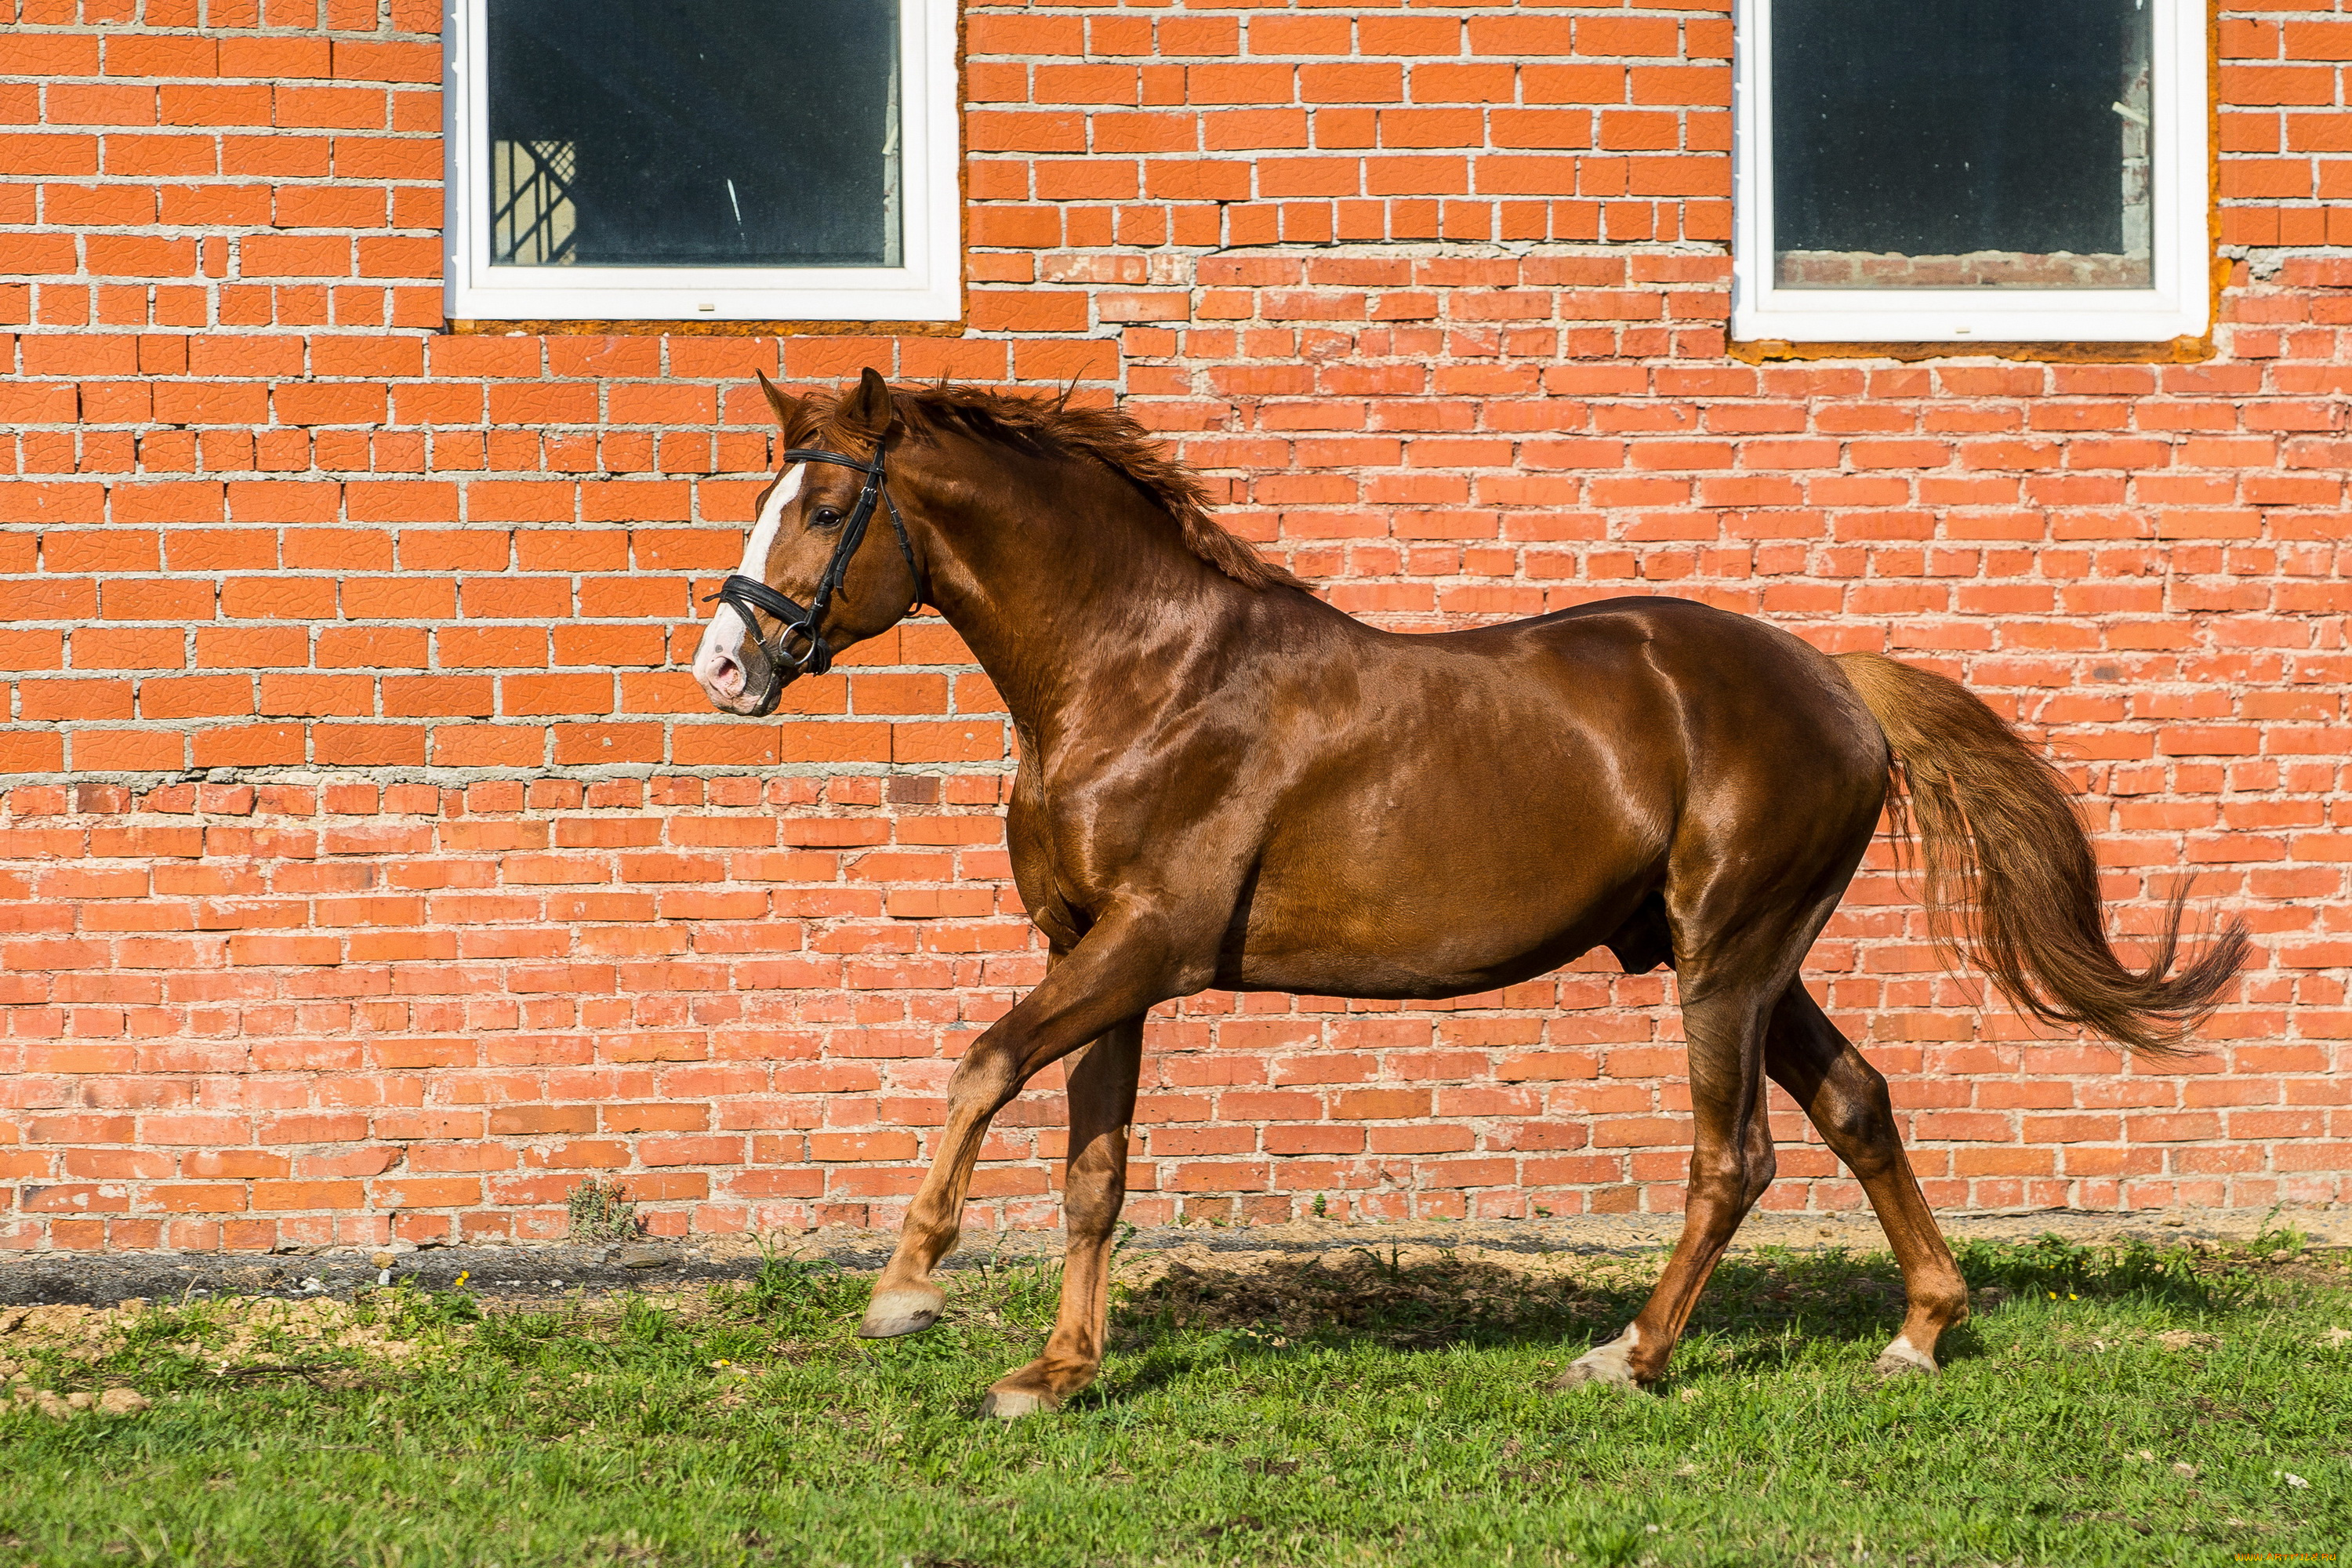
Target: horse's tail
pixel 2009 874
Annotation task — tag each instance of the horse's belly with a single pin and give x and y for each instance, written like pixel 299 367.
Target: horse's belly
pixel 1420 914
pixel 1392 975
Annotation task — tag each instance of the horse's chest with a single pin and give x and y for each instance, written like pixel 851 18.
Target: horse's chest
pixel 1029 841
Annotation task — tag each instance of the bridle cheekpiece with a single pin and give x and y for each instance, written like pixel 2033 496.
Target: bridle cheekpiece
pixel 749 594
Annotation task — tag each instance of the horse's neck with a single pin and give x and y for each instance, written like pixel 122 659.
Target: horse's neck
pixel 1060 577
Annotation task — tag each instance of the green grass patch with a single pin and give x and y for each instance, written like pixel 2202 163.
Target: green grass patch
pixel 2121 1406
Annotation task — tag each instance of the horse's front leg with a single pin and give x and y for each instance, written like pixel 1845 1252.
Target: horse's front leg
pixel 1102 1103
pixel 1123 966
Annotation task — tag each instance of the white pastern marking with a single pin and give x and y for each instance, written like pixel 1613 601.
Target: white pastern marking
pixel 1615 1359
pixel 1904 1351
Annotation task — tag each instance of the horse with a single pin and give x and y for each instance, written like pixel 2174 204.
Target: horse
pixel 1225 782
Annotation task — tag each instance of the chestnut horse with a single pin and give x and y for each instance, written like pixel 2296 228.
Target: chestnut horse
pixel 1225 782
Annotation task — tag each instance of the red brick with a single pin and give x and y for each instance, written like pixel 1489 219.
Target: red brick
pixel 234 398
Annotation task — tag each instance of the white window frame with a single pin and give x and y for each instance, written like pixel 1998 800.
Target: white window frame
pixel 927 287
pixel 2179 305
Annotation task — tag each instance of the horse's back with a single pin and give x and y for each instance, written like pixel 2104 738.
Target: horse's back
pixel 1670 685
pixel 1742 690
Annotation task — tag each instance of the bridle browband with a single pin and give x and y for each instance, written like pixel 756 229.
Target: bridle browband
pixel 749 594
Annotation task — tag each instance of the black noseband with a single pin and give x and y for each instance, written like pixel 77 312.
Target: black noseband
pixel 749 594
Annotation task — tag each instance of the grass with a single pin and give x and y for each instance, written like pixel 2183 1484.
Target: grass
pixel 2131 1405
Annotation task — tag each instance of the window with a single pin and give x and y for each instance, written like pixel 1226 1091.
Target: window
pixel 743 160
pixel 1943 170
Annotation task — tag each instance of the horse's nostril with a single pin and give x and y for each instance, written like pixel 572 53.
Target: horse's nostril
pixel 727 676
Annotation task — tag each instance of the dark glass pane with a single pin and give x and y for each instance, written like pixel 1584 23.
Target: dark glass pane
pixel 1937 142
pixel 709 133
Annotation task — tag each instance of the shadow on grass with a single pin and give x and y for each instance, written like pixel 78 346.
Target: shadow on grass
pixel 1364 1298
pixel 1368 1298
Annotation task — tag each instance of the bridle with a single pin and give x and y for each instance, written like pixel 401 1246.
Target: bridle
pixel 749 594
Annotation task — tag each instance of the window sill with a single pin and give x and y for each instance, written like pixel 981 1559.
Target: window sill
pixel 2178 350
pixel 2051 350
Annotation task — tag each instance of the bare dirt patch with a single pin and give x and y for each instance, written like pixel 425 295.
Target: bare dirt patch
pixel 44 1348
pixel 1443 1288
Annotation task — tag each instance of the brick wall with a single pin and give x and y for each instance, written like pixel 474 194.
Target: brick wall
pixel 367 868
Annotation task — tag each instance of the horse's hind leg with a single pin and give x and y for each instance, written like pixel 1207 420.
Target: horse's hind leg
pixel 1846 1099
pixel 1102 1103
pixel 1731 1164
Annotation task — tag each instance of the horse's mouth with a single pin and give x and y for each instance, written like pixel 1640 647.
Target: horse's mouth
pixel 769 697
pixel 749 686
pixel 757 699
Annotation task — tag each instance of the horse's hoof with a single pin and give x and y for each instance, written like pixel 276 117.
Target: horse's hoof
pixel 1579 1376
pixel 907 1311
pixel 1903 1359
pixel 1612 1365
pixel 1012 1404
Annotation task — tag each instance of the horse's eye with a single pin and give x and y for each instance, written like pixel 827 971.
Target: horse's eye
pixel 825 517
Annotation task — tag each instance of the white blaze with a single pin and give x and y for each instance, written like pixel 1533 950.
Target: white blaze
pixel 726 631
pixel 772 518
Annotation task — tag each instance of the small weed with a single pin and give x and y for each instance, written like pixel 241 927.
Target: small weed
pixel 413 1312
pixel 647 1323
pixel 798 1296
pixel 2279 1243
pixel 1021 1291
pixel 603 1211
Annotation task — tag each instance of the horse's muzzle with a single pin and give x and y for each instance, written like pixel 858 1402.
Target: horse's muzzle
pixel 739 675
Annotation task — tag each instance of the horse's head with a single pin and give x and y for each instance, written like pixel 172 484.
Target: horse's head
pixel 827 562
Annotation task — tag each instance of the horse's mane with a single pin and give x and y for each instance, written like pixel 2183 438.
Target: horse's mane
pixel 1052 427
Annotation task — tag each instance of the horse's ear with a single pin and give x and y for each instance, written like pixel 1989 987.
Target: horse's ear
pixel 784 405
pixel 867 409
